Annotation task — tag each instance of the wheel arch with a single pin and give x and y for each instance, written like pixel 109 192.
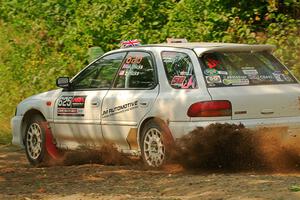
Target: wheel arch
pixel 164 124
pixel 143 123
pixel 26 119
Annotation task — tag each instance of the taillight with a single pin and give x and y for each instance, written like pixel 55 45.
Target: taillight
pixel 216 108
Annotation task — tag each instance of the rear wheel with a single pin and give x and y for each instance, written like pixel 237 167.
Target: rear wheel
pixel 35 141
pixel 152 146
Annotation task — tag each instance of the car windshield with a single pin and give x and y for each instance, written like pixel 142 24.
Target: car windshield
pixel 243 68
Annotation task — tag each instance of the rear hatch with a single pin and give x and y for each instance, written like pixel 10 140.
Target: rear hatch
pixel 260 101
pixel 256 84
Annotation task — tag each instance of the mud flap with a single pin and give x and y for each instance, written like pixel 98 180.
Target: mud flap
pixel 50 147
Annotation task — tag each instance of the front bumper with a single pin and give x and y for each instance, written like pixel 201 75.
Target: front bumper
pixel 16 123
pixel 292 124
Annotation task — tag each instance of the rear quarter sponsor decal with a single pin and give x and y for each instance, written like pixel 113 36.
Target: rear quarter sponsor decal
pixel 71 106
pixel 222 72
pixel 212 63
pixel 210 72
pixel 278 76
pixel 213 79
pixel 242 81
pixel 249 71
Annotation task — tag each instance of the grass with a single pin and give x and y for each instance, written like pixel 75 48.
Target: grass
pixel 5 138
pixel 5 132
pixel 294 188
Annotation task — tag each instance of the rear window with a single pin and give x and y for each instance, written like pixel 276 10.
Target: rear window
pixel 243 68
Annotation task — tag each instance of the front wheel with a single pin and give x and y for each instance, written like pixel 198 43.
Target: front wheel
pixel 35 141
pixel 152 145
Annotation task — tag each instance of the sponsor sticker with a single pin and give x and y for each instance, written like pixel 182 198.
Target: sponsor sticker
pixel 254 77
pixel 213 79
pixel 212 63
pixel 250 72
pixel 119 109
pixel 236 81
pixel 236 77
pixel 136 66
pixel 132 73
pixel 266 77
pixel 178 80
pixel 71 106
pixel 134 60
pixel 210 72
pixel 125 66
pixel 122 73
pixel 278 76
pixel 222 72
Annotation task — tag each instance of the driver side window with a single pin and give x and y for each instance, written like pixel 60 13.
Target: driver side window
pixel 100 74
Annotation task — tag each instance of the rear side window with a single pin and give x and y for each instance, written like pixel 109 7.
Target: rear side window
pixel 179 70
pixel 137 71
pixel 243 68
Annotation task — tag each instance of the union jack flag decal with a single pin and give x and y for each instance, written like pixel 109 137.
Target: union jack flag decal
pixel 130 43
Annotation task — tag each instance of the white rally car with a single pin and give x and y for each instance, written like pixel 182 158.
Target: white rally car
pixel 142 98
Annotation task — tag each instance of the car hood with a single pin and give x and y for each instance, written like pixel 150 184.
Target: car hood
pixel 50 95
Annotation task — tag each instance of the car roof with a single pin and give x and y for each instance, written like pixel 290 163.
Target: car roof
pixel 201 47
pixel 206 47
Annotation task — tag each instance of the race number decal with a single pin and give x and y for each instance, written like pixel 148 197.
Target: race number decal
pixel 177 80
pixel 71 106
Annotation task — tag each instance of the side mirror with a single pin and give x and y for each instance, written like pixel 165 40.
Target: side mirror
pixel 63 82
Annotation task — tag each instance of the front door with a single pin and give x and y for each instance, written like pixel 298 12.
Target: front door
pixel 131 98
pixel 78 111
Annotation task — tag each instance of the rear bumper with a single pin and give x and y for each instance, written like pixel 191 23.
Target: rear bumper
pixel 16 123
pixel 292 124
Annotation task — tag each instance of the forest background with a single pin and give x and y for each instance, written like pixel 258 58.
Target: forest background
pixel 41 40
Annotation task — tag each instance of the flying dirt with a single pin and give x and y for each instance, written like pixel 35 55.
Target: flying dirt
pixel 225 147
pixel 235 148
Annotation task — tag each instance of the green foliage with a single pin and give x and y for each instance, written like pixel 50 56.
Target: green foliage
pixel 294 188
pixel 41 40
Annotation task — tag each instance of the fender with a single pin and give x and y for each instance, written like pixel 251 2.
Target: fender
pixel 168 138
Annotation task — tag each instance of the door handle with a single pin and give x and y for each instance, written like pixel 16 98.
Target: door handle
pixel 144 104
pixel 267 111
pixel 95 103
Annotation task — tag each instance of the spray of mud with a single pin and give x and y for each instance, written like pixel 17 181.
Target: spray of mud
pixel 217 147
pixel 108 154
pixel 228 147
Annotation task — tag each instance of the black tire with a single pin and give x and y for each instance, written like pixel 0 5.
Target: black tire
pixel 152 146
pixel 35 142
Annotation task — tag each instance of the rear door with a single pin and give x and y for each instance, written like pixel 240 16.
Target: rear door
pixel 255 83
pixel 131 98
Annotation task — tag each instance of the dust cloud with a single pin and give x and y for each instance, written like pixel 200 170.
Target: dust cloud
pixel 108 154
pixel 217 147
pixel 228 147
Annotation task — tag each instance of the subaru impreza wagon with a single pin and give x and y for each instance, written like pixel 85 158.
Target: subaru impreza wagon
pixel 144 97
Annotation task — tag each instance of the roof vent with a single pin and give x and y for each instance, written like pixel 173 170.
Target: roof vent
pixel 176 40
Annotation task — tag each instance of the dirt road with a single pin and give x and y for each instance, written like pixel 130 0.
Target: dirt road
pixel 18 180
